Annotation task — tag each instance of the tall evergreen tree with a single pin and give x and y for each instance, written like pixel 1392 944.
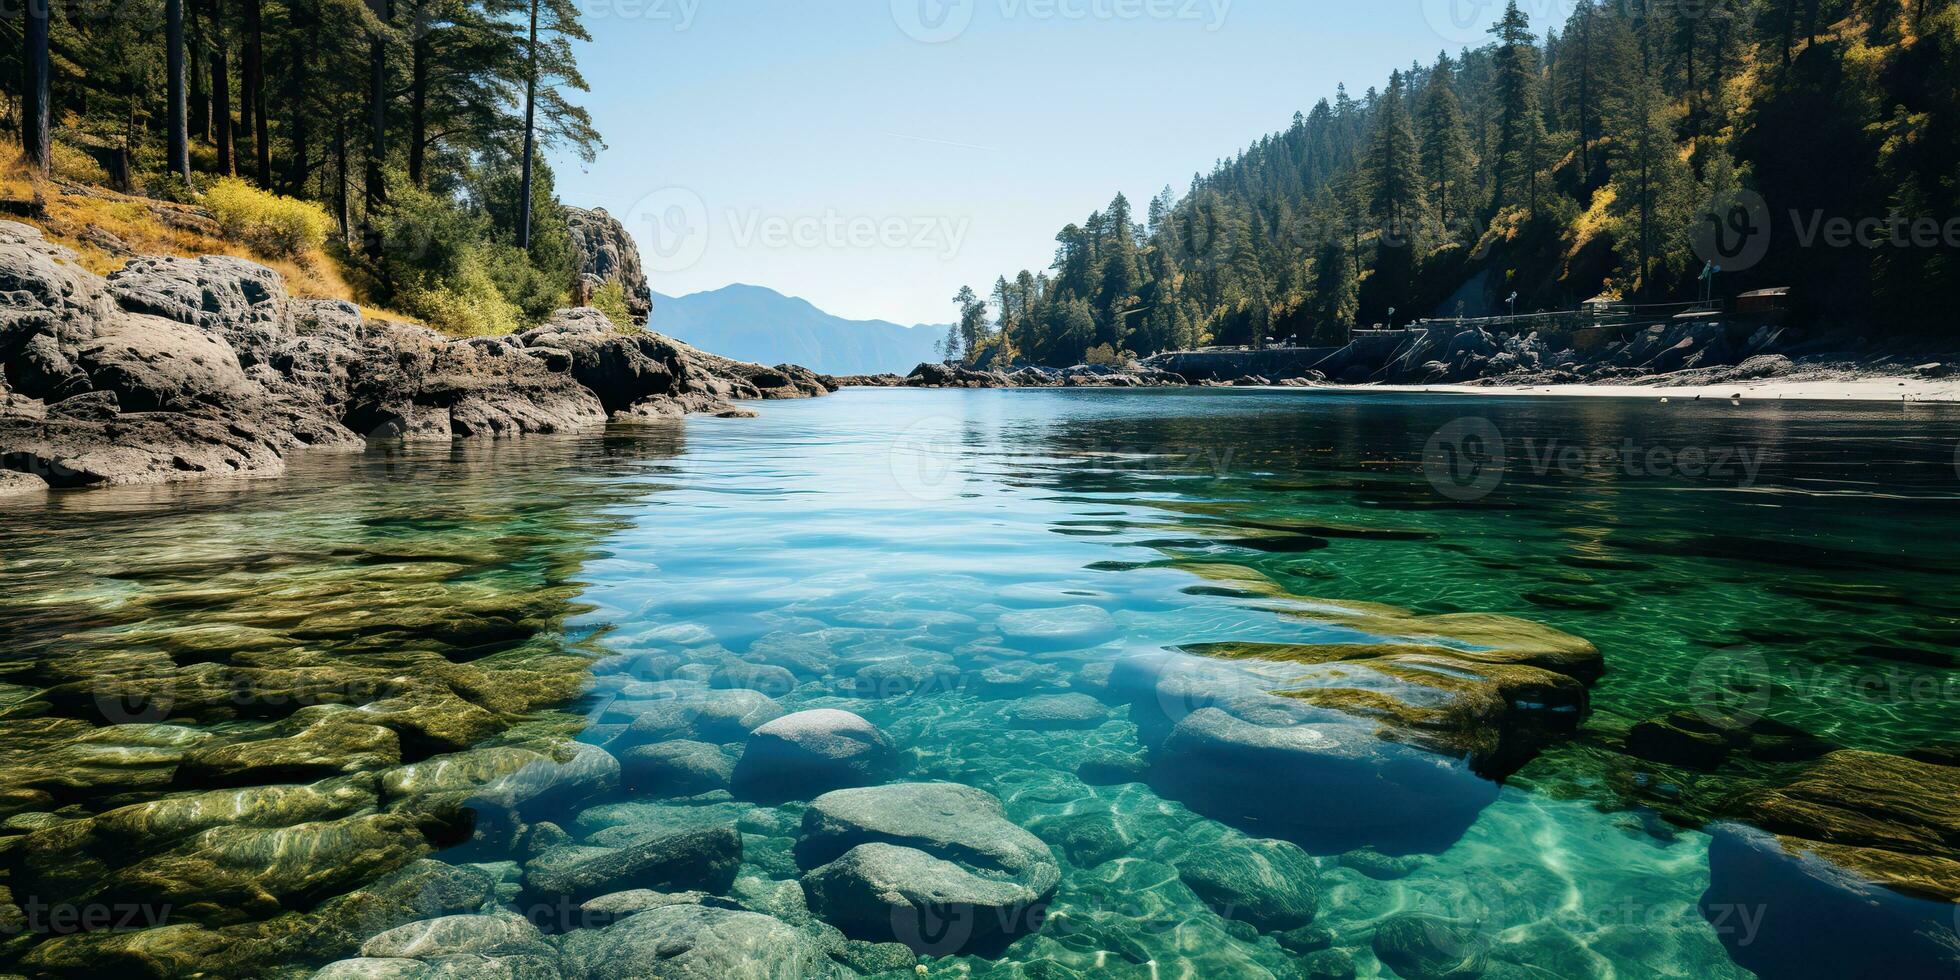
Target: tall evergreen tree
pixel 1446 151
pixel 1520 136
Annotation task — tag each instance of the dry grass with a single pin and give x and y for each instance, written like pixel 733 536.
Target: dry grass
pixel 106 228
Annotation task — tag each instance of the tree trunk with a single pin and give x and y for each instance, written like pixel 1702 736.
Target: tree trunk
pixel 255 121
pixel 221 89
pixel 530 135
pixel 35 130
pixel 299 137
pixel 1789 28
pixel 179 142
pixel 200 106
pixel 376 186
pixel 340 179
pixel 418 99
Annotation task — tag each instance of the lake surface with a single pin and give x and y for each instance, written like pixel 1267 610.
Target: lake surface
pixel 944 565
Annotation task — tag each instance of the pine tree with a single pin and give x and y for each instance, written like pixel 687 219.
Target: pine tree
pixel 1520 132
pixel 1396 197
pixel 1650 184
pixel 1446 152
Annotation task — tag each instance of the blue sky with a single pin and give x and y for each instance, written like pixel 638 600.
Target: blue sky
pixel 874 155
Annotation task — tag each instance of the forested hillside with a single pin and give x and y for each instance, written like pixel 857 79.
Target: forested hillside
pixel 1559 162
pixel 397 139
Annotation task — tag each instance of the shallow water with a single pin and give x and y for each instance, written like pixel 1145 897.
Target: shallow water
pixel 975 529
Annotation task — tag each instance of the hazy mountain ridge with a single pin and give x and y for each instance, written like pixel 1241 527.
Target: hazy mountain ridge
pixel 753 323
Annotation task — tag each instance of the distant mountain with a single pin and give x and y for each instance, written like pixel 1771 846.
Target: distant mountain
pixel 751 323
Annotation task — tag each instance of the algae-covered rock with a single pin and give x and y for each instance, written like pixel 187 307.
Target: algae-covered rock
pixel 1887 819
pixel 370 968
pixel 231 874
pixel 458 772
pixel 324 749
pixel 1785 907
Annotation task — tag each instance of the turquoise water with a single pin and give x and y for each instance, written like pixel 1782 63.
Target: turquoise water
pixel 954 532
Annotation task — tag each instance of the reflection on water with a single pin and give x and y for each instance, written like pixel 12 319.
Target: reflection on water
pixel 991 579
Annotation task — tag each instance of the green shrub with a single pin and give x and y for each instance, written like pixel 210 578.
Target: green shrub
pixel 610 299
pixel 274 226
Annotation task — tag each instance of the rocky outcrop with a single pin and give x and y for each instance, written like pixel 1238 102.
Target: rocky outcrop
pixel 177 369
pixel 931 375
pixel 606 254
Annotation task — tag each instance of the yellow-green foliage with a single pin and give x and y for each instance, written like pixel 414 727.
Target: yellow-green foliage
pixel 70 163
pixel 610 299
pixel 278 226
pixel 468 305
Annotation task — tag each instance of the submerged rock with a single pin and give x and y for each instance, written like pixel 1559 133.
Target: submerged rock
pixel 691 942
pixel 1428 947
pixel 1312 774
pixel 1053 712
pixel 457 934
pixel 718 716
pixel 1785 907
pixel 902 862
pixel 812 752
pixel 662 861
pixel 677 768
pixel 1272 884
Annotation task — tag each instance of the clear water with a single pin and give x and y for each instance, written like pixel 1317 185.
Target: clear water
pixel 955 526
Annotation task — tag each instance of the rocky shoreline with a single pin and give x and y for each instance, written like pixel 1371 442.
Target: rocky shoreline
pixel 175 369
pixel 1681 355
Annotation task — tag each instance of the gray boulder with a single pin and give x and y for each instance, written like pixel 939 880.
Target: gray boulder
pixel 241 302
pixel 369 968
pixel 676 768
pixel 692 942
pixel 661 861
pixel 1272 884
pixel 812 752
pixel 899 862
pixel 457 934
pixel 718 716
pixel 1427 947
